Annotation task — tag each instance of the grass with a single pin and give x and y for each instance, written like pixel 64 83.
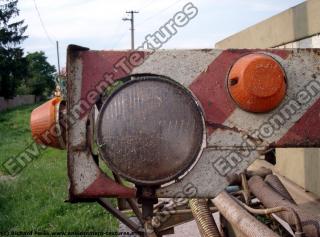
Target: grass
pixel 34 200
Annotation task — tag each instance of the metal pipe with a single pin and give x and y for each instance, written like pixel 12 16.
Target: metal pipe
pixel 176 212
pixel 132 203
pixel 272 210
pixel 262 172
pixel 240 218
pixel 202 214
pixel 186 211
pixel 270 198
pixel 235 179
pixel 246 191
pixel 119 215
pixel 278 186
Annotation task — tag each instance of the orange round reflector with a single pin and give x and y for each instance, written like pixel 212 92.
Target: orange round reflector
pixel 45 124
pixel 257 83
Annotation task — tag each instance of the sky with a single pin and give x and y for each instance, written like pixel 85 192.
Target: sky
pixel 98 24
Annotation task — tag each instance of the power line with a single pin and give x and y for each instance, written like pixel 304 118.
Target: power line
pixel 149 3
pixel 115 36
pixel 119 39
pixel 159 12
pixel 42 23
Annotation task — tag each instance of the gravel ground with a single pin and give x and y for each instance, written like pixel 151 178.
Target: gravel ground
pixel 189 229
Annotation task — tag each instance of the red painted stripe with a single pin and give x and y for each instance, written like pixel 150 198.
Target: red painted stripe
pixel 98 65
pixel 103 186
pixel 210 86
pixel 210 89
pixel 305 132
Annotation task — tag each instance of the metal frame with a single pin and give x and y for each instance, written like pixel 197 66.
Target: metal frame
pixel 231 143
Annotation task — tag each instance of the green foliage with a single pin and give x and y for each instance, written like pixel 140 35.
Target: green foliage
pixel 40 77
pixel 113 87
pixel 23 89
pixel 12 63
pixel 35 199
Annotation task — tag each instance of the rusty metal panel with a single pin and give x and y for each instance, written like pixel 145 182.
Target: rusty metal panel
pixel 86 179
pixel 234 137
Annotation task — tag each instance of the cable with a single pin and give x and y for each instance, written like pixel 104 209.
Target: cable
pixel 121 35
pixel 119 39
pixel 42 23
pixel 159 12
pixel 149 2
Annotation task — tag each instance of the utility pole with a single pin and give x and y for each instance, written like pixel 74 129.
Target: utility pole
pixel 131 19
pixel 58 57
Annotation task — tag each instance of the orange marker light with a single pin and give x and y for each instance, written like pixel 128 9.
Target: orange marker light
pixel 44 123
pixel 256 82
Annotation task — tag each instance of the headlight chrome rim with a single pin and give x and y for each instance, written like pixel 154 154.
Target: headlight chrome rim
pixel 186 167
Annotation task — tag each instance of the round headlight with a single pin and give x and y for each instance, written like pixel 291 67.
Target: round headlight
pixel 150 130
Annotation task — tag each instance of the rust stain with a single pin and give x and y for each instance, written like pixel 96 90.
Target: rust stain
pixel 206 50
pixel 233 129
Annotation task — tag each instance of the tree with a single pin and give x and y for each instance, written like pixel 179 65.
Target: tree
pixel 12 63
pixel 40 78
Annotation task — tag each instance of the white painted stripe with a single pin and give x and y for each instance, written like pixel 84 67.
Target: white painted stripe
pixel 183 66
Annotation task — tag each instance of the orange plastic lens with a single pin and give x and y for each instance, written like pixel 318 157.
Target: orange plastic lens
pixel 44 123
pixel 257 83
